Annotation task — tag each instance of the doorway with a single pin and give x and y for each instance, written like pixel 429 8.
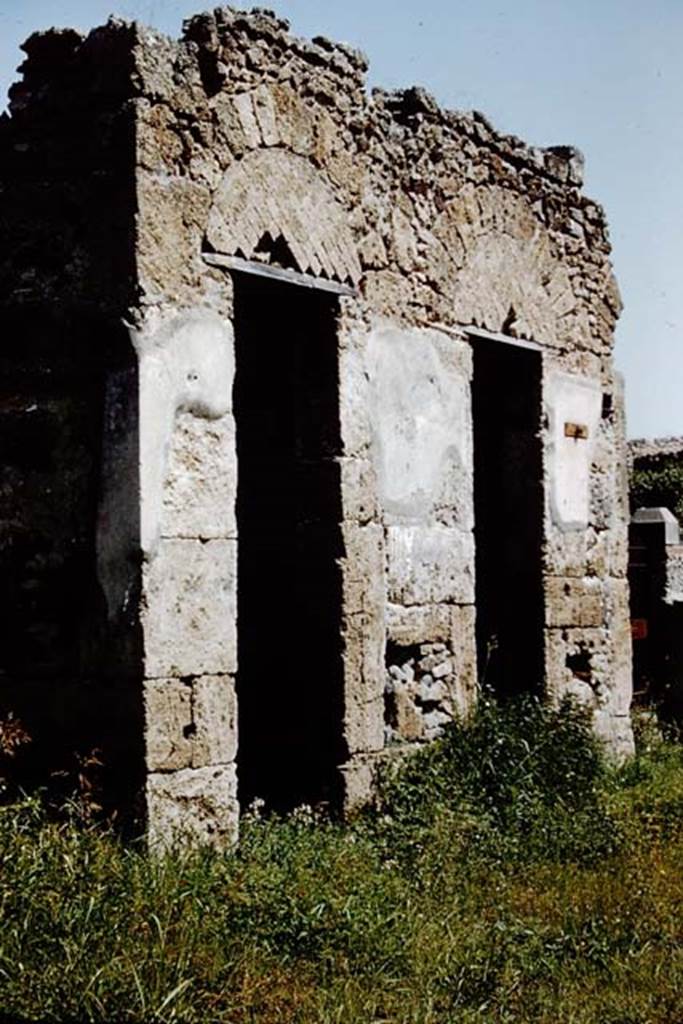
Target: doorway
pixel 289 513
pixel 508 509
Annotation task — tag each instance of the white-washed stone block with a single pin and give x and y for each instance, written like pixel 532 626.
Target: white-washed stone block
pixel 201 479
pixel 430 565
pixel 194 806
pixel 189 609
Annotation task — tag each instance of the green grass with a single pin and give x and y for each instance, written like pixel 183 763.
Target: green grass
pixel 509 875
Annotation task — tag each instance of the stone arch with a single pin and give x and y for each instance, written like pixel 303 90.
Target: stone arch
pixel 273 206
pixel 496 262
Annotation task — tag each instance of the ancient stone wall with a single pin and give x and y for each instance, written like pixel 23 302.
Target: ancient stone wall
pixel 438 235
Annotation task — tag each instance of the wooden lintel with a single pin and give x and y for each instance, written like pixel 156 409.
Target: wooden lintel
pixel 505 339
pixel 322 284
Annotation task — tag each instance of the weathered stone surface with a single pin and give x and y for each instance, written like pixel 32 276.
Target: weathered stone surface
pixel 186 365
pixel 430 564
pixel 410 624
pixel 359 490
pixel 463 645
pixel 168 724
pixel 199 491
pixel 247 141
pixel 358 782
pixel 189 608
pixel 190 723
pixel 194 806
pixel 574 602
pixel 214 720
pixel 363 723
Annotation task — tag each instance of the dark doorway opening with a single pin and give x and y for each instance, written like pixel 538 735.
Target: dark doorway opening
pixel 289 513
pixel 508 509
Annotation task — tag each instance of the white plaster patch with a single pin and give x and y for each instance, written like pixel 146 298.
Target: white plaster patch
pixel 430 565
pixel 572 404
pixel 420 416
pixel 186 364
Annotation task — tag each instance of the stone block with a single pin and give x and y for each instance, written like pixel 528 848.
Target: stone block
pixel 409 723
pixel 200 488
pixel 295 119
pixel 414 624
pixel 189 609
pixel 576 553
pixel 619 625
pixel 430 565
pixel 172 219
pixel 464 646
pixel 616 732
pixel 190 723
pixel 168 724
pixel 363 723
pixel 578 664
pixel 574 602
pixel 358 782
pixel 363 571
pixel 214 718
pixel 192 807
pixel 354 392
pixel 359 490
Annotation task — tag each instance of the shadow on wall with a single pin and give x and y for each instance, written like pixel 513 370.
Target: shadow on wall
pixel 70 692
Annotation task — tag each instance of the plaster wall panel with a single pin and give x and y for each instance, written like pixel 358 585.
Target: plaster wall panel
pixel 420 406
pixel 186 365
pixel 573 411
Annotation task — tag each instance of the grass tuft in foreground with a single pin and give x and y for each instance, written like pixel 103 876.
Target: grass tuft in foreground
pixel 509 875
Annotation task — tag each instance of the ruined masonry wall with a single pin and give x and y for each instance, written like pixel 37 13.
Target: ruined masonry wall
pixel 244 138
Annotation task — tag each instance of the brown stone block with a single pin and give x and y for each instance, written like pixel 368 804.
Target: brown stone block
pixel 363 722
pixel 464 647
pixel 214 720
pixel 574 602
pixel 363 571
pixel 171 222
pixel 168 724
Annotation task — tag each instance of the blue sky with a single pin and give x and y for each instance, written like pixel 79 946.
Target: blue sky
pixel 604 75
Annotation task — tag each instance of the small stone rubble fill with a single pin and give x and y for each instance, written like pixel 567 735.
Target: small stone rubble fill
pixel 418 693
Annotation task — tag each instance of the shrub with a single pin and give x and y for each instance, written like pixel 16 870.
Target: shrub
pixel 524 774
pixel 658 482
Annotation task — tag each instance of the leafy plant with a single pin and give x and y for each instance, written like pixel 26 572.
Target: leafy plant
pixel 658 482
